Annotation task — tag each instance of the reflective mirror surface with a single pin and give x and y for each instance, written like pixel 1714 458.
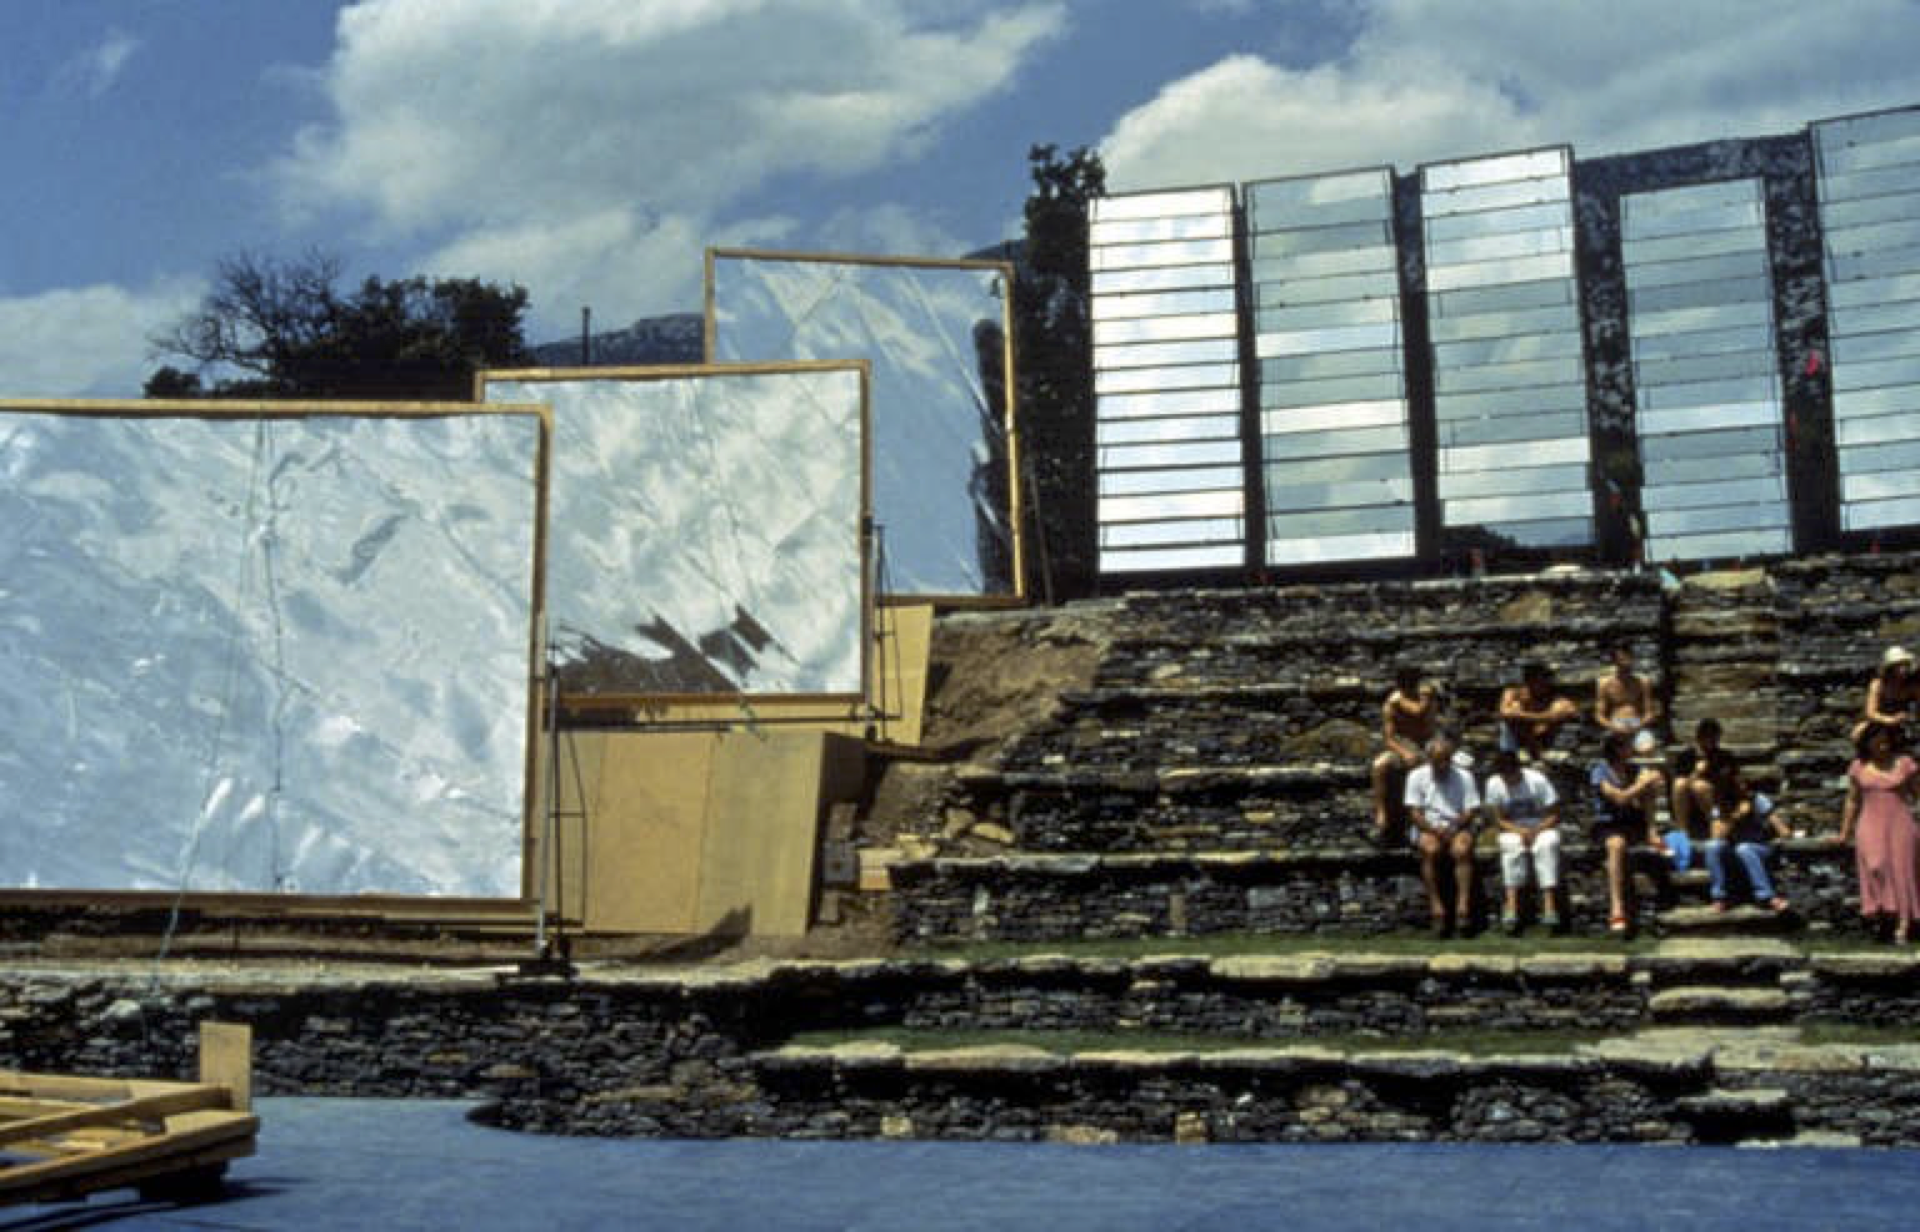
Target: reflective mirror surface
pixel 706 528
pixel 1508 362
pixel 1332 378
pixel 1166 353
pixel 1869 191
pixel 1708 417
pixel 935 334
pixel 261 653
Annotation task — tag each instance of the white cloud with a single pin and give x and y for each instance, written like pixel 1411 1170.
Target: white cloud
pixel 1244 119
pixel 1433 79
pixel 86 342
pixel 537 131
pixel 615 260
pixel 94 71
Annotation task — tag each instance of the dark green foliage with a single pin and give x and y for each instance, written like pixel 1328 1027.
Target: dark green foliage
pixel 287 331
pixel 1053 349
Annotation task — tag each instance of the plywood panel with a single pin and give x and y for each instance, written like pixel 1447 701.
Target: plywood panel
pixel 906 646
pixel 763 830
pixel 696 832
pixel 645 832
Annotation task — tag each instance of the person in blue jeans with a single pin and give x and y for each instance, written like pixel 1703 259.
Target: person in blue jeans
pixel 1743 821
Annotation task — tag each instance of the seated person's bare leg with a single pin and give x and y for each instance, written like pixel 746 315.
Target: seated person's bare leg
pixel 1617 876
pixel 1463 875
pixel 1430 845
pixel 1383 767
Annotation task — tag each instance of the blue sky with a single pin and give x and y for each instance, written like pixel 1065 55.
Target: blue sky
pixel 590 149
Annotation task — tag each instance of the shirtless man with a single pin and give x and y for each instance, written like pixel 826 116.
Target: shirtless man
pixel 1529 712
pixel 1623 701
pixel 1406 721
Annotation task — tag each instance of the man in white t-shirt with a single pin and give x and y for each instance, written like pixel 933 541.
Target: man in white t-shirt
pixel 1442 804
pixel 1526 810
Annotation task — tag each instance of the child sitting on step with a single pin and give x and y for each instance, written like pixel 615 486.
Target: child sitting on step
pixel 1745 821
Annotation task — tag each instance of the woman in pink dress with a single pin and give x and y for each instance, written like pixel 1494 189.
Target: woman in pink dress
pixel 1880 787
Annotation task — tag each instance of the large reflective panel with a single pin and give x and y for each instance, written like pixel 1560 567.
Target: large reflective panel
pixel 1707 491
pixel 706 527
pixel 936 335
pixel 1333 371
pixel 262 648
pixel 1869 188
pixel 1507 350
pixel 1166 357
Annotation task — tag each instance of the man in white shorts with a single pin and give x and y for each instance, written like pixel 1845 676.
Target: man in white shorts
pixel 1442 803
pixel 1526 813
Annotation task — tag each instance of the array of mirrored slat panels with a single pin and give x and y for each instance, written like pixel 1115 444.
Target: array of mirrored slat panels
pixel 1334 417
pixel 1512 435
pixel 1705 378
pixel 1869 186
pixel 1169 448
pixel 1509 372
pixel 1336 459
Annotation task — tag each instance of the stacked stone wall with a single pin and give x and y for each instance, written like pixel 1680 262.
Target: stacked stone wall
pixel 1243 722
pixel 706 1053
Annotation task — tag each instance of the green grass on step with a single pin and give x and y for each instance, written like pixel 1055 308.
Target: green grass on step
pixel 1857 1033
pixel 1473 1043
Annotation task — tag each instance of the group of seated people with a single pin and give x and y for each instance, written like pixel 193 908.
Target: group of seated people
pixel 1711 807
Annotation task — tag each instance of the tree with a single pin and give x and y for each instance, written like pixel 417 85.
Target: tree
pixel 287 331
pixel 1053 346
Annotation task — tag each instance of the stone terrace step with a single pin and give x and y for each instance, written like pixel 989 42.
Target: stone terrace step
pixel 1760 961
pixel 1742 1115
pixel 1719 1003
pixel 1736 919
pixel 1350 889
pixel 1188 808
pixel 1563 598
pixel 1688 1086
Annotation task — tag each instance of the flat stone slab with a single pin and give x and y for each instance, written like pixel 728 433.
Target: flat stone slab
pixel 995 1058
pixel 1753 1101
pixel 1706 919
pixel 1813 1139
pixel 1723 949
pixel 1718 1000
pixel 1887 964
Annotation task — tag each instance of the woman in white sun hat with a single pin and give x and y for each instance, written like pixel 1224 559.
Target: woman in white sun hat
pixel 1892 694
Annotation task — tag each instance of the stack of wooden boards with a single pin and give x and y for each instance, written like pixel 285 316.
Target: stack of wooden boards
pixel 64 1137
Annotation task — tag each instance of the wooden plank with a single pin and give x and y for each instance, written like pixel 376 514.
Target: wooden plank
pixel 13 1107
pixel 204 1137
pixel 64 1086
pixel 762 834
pixel 226 1060
pixel 646 829
pixel 154 1108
